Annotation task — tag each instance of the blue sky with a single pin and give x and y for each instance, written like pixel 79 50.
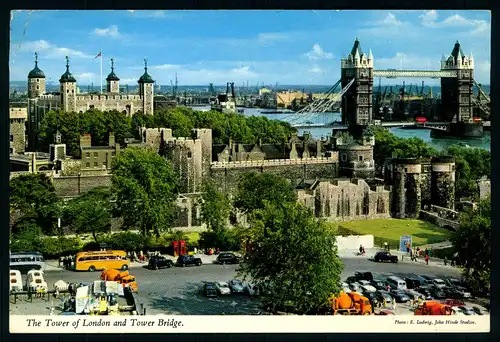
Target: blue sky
pixel 287 47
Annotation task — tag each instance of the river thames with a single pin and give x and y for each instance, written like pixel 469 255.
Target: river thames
pixel 317 133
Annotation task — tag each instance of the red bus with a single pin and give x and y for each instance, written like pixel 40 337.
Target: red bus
pixel 420 119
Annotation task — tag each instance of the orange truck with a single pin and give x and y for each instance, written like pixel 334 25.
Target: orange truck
pixel 350 304
pixel 123 278
pixel 433 308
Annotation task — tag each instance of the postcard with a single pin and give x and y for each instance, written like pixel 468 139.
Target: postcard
pixel 170 175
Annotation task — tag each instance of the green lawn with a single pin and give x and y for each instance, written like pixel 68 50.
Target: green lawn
pixel 391 229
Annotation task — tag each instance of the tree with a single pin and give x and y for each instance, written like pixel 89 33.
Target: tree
pixel 256 188
pixel 145 188
pixel 294 253
pixel 215 210
pixel 34 197
pixel 472 243
pixel 90 212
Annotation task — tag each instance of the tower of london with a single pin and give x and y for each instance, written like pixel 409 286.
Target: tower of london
pixel 69 100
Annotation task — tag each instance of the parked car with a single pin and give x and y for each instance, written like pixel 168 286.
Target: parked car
pixel 437 293
pixel 383 256
pixel 426 292
pixel 438 282
pixel 414 294
pixel 423 281
pixel 351 280
pixel 458 285
pixel 454 302
pixel 35 279
pixel 210 289
pixel 412 283
pixel 236 286
pixel 356 287
pixel 252 290
pixel 368 288
pixel 379 284
pixel 456 311
pixel 227 258
pixel 452 292
pixel 222 288
pixel 400 296
pixel 363 276
pixel 159 261
pixel 384 296
pixel 480 311
pixel 467 311
pixel 429 279
pixel 185 260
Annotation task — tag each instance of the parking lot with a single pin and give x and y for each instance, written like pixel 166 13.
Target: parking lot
pixel 178 290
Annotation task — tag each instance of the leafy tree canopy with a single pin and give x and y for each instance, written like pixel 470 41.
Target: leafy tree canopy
pixel 145 188
pixel 472 242
pixel 295 256
pixel 33 195
pixel 90 212
pixel 256 188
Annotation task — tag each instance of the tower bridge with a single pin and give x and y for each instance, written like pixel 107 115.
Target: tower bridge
pixel 356 94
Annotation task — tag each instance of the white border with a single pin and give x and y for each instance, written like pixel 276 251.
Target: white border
pixel 247 324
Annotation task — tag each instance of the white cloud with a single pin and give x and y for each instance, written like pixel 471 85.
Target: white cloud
pixel 429 18
pixel 316 69
pixel 159 14
pixel 271 37
pixel 408 62
pixel 482 71
pixel 111 31
pixel 48 50
pixel 165 66
pixel 390 20
pixel 318 53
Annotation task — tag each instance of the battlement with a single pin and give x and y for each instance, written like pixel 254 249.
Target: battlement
pixel 274 162
pixel 110 96
pixel 49 97
pixel 18 113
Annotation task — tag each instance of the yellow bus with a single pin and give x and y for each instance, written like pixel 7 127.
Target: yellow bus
pixel 100 260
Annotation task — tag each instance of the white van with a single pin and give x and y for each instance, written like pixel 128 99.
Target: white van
pixel 35 280
pixel 16 282
pixel 396 283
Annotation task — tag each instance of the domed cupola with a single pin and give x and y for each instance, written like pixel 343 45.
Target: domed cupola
pixel 36 72
pixel 146 78
pixel 112 76
pixel 67 77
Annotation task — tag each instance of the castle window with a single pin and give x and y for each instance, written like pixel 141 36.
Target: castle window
pixel 453 168
pixel 11 137
pixel 72 91
pixel 37 80
pixel 95 154
pixel 95 164
pixel 360 158
pixel 67 91
pixel 87 165
pixel 406 169
pixel 189 154
pixel 37 87
pixel 87 154
pixel 344 157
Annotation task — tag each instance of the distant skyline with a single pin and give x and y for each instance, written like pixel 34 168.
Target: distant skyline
pixel 202 47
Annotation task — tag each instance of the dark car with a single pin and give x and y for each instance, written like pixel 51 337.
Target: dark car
pixel 428 279
pixel 426 292
pixel 351 280
pixel 210 289
pixel 227 258
pixel 452 292
pixel 379 284
pixel 437 293
pixel 363 276
pixel 422 280
pixel 384 296
pixel 400 296
pixel 156 262
pixel 385 256
pixel 185 260
pixel 412 283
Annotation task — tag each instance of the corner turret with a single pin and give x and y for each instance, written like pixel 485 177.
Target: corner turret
pixel 36 81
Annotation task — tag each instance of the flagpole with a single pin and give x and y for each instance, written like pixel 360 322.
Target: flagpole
pixel 101 71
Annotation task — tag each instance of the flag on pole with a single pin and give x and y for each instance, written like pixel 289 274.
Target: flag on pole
pixel 99 55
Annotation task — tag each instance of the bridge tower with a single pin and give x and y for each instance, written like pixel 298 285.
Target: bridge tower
pixel 456 93
pixel 357 101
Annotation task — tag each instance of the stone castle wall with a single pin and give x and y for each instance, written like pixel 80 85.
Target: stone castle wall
pixel 72 186
pixel 226 175
pixel 106 102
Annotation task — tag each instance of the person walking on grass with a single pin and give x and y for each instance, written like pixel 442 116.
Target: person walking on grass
pixel 427 259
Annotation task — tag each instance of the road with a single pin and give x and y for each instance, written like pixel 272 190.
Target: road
pixel 178 290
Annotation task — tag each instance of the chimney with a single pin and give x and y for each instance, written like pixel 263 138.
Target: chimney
pixel 293 152
pixel 111 139
pixel 319 151
pixel 305 153
pixel 85 140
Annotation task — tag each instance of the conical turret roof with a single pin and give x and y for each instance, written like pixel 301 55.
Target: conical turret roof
pixel 67 77
pixel 36 72
pixel 146 78
pixel 357 48
pixel 112 76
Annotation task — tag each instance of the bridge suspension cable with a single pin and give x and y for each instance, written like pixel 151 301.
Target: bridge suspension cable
pixel 483 106
pixel 319 106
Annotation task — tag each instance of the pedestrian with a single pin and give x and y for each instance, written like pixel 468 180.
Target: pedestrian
pixel 360 249
pixel 393 303
pixel 445 260
pixel 375 303
pixel 411 302
pixel 418 251
pixel 426 252
pixel 388 287
pixel 386 246
pixel 427 259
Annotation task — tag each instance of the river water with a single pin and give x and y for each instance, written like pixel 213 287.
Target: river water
pixel 424 134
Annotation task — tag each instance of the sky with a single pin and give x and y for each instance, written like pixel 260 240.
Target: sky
pixel 274 46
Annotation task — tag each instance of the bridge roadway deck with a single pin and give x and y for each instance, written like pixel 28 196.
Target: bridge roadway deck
pixel 340 126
